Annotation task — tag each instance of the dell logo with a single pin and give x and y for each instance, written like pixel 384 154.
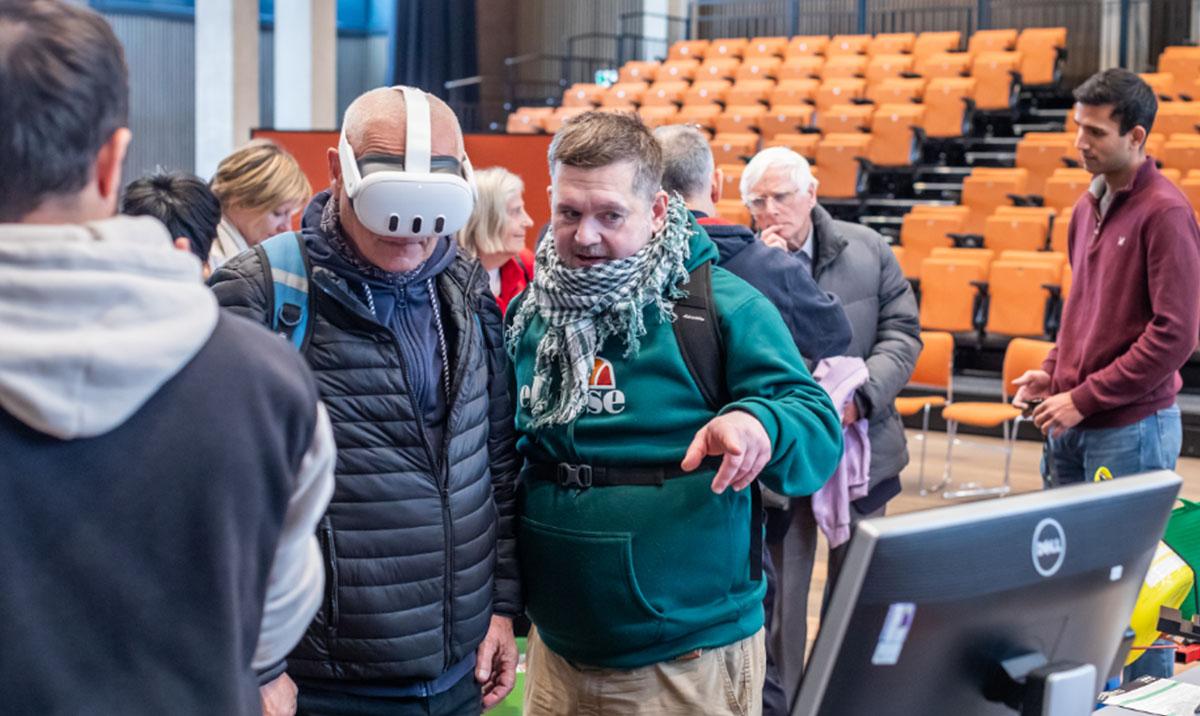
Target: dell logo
pixel 1049 547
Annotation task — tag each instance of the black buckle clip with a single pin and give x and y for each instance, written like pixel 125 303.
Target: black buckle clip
pixel 579 476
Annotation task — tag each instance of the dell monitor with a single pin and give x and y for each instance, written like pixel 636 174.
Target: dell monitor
pixel 1015 605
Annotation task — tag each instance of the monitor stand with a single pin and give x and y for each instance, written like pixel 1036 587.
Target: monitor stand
pixel 1033 687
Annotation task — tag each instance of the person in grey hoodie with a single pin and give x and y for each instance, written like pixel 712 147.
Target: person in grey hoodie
pixel 164 465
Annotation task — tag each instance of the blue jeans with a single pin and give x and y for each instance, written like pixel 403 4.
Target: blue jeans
pixel 1152 443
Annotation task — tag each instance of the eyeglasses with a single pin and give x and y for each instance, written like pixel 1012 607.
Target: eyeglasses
pixel 758 203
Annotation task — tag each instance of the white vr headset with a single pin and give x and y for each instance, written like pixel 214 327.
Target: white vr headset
pixel 412 200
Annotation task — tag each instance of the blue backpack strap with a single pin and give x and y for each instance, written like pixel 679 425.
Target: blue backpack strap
pixel 288 263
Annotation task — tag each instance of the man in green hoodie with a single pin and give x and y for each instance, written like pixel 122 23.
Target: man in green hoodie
pixel 636 525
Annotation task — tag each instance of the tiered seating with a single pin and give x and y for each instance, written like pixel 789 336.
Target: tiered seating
pixel 824 72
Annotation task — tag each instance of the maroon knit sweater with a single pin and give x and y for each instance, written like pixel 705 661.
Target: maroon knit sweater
pixel 1133 315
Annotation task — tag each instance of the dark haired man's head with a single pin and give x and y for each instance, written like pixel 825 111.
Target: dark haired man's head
pixel 1115 110
pixel 180 200
pixel 63 114
pixel 606 200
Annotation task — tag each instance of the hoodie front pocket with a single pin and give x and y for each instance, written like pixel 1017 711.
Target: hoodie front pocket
pixel 581 587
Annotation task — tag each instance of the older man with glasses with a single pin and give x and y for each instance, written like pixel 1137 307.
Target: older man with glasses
pixel 855 264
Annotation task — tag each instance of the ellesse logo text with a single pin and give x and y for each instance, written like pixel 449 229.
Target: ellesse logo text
pixel 603 395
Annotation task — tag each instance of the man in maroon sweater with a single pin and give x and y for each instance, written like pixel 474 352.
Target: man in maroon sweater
pixel 1133 315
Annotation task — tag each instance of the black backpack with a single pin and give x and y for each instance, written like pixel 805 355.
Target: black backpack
pixel 699 337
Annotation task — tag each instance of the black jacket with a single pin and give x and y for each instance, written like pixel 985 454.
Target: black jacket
pixel 418 540
pixel 815 318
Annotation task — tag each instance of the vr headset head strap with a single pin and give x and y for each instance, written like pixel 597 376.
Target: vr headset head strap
pixel 418 138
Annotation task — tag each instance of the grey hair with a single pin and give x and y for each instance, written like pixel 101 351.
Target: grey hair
pixel 687 160
pixel 781 157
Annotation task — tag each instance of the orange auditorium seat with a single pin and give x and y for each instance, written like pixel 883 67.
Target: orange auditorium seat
pixel 733 147
pixel 844 66
pixel 680 69
pixel 759 68
pixel 944 64
pixel 744 92
pixel 624 94
pixel 884 67
pixel 1041 51
pixel 701 115
pixel 1063 189
pixel 766 47
pixel 946 106
pixel 985 189
pixel 896 90
pixel 847 45
pixel 718 68
pixel 947 293
pixel 802 144
pixel 892 128
pixel 583 95
pixel 929 43
pixel 527 120
pixel 891 43
pixel 658 115
pixel 707 92
pixel 731 176
pixel 839 91
pixel 661 94
pixel 807 45
pixel 801 67
pixel 638 71
pixel 726 47
pixel 738 119
pixel 687 49
pixel 992 41
pixel 785 119
pixel 921 234
pixel 993 73
pixel 841 172
pixel 842 118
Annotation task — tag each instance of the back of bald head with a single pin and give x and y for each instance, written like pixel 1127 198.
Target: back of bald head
pixel 375 123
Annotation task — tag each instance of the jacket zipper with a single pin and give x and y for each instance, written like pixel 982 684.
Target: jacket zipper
pixel 456 376
pixel 331 608
pixel 441 470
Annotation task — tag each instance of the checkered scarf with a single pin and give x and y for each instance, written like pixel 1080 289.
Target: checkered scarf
pixel 584 307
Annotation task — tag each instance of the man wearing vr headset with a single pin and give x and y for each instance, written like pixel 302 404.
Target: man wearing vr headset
pixel 639 552
pixel 405 340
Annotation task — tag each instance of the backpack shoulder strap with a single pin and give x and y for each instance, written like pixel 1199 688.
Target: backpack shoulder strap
pixel 698 334
pixel 287 261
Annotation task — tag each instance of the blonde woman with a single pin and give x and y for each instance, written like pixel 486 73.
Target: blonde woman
pixel 496 233
pixel 261 187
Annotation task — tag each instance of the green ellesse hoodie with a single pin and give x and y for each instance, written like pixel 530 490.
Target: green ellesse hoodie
pixel 622 577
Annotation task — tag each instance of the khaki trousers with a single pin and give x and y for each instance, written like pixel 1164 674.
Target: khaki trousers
pixel 726 681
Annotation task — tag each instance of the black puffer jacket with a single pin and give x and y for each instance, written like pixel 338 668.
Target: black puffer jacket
pixel 419 541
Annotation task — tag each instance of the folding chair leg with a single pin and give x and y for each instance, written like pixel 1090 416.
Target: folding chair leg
pixel 924 442
pixel 951 429
pixel 974 489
